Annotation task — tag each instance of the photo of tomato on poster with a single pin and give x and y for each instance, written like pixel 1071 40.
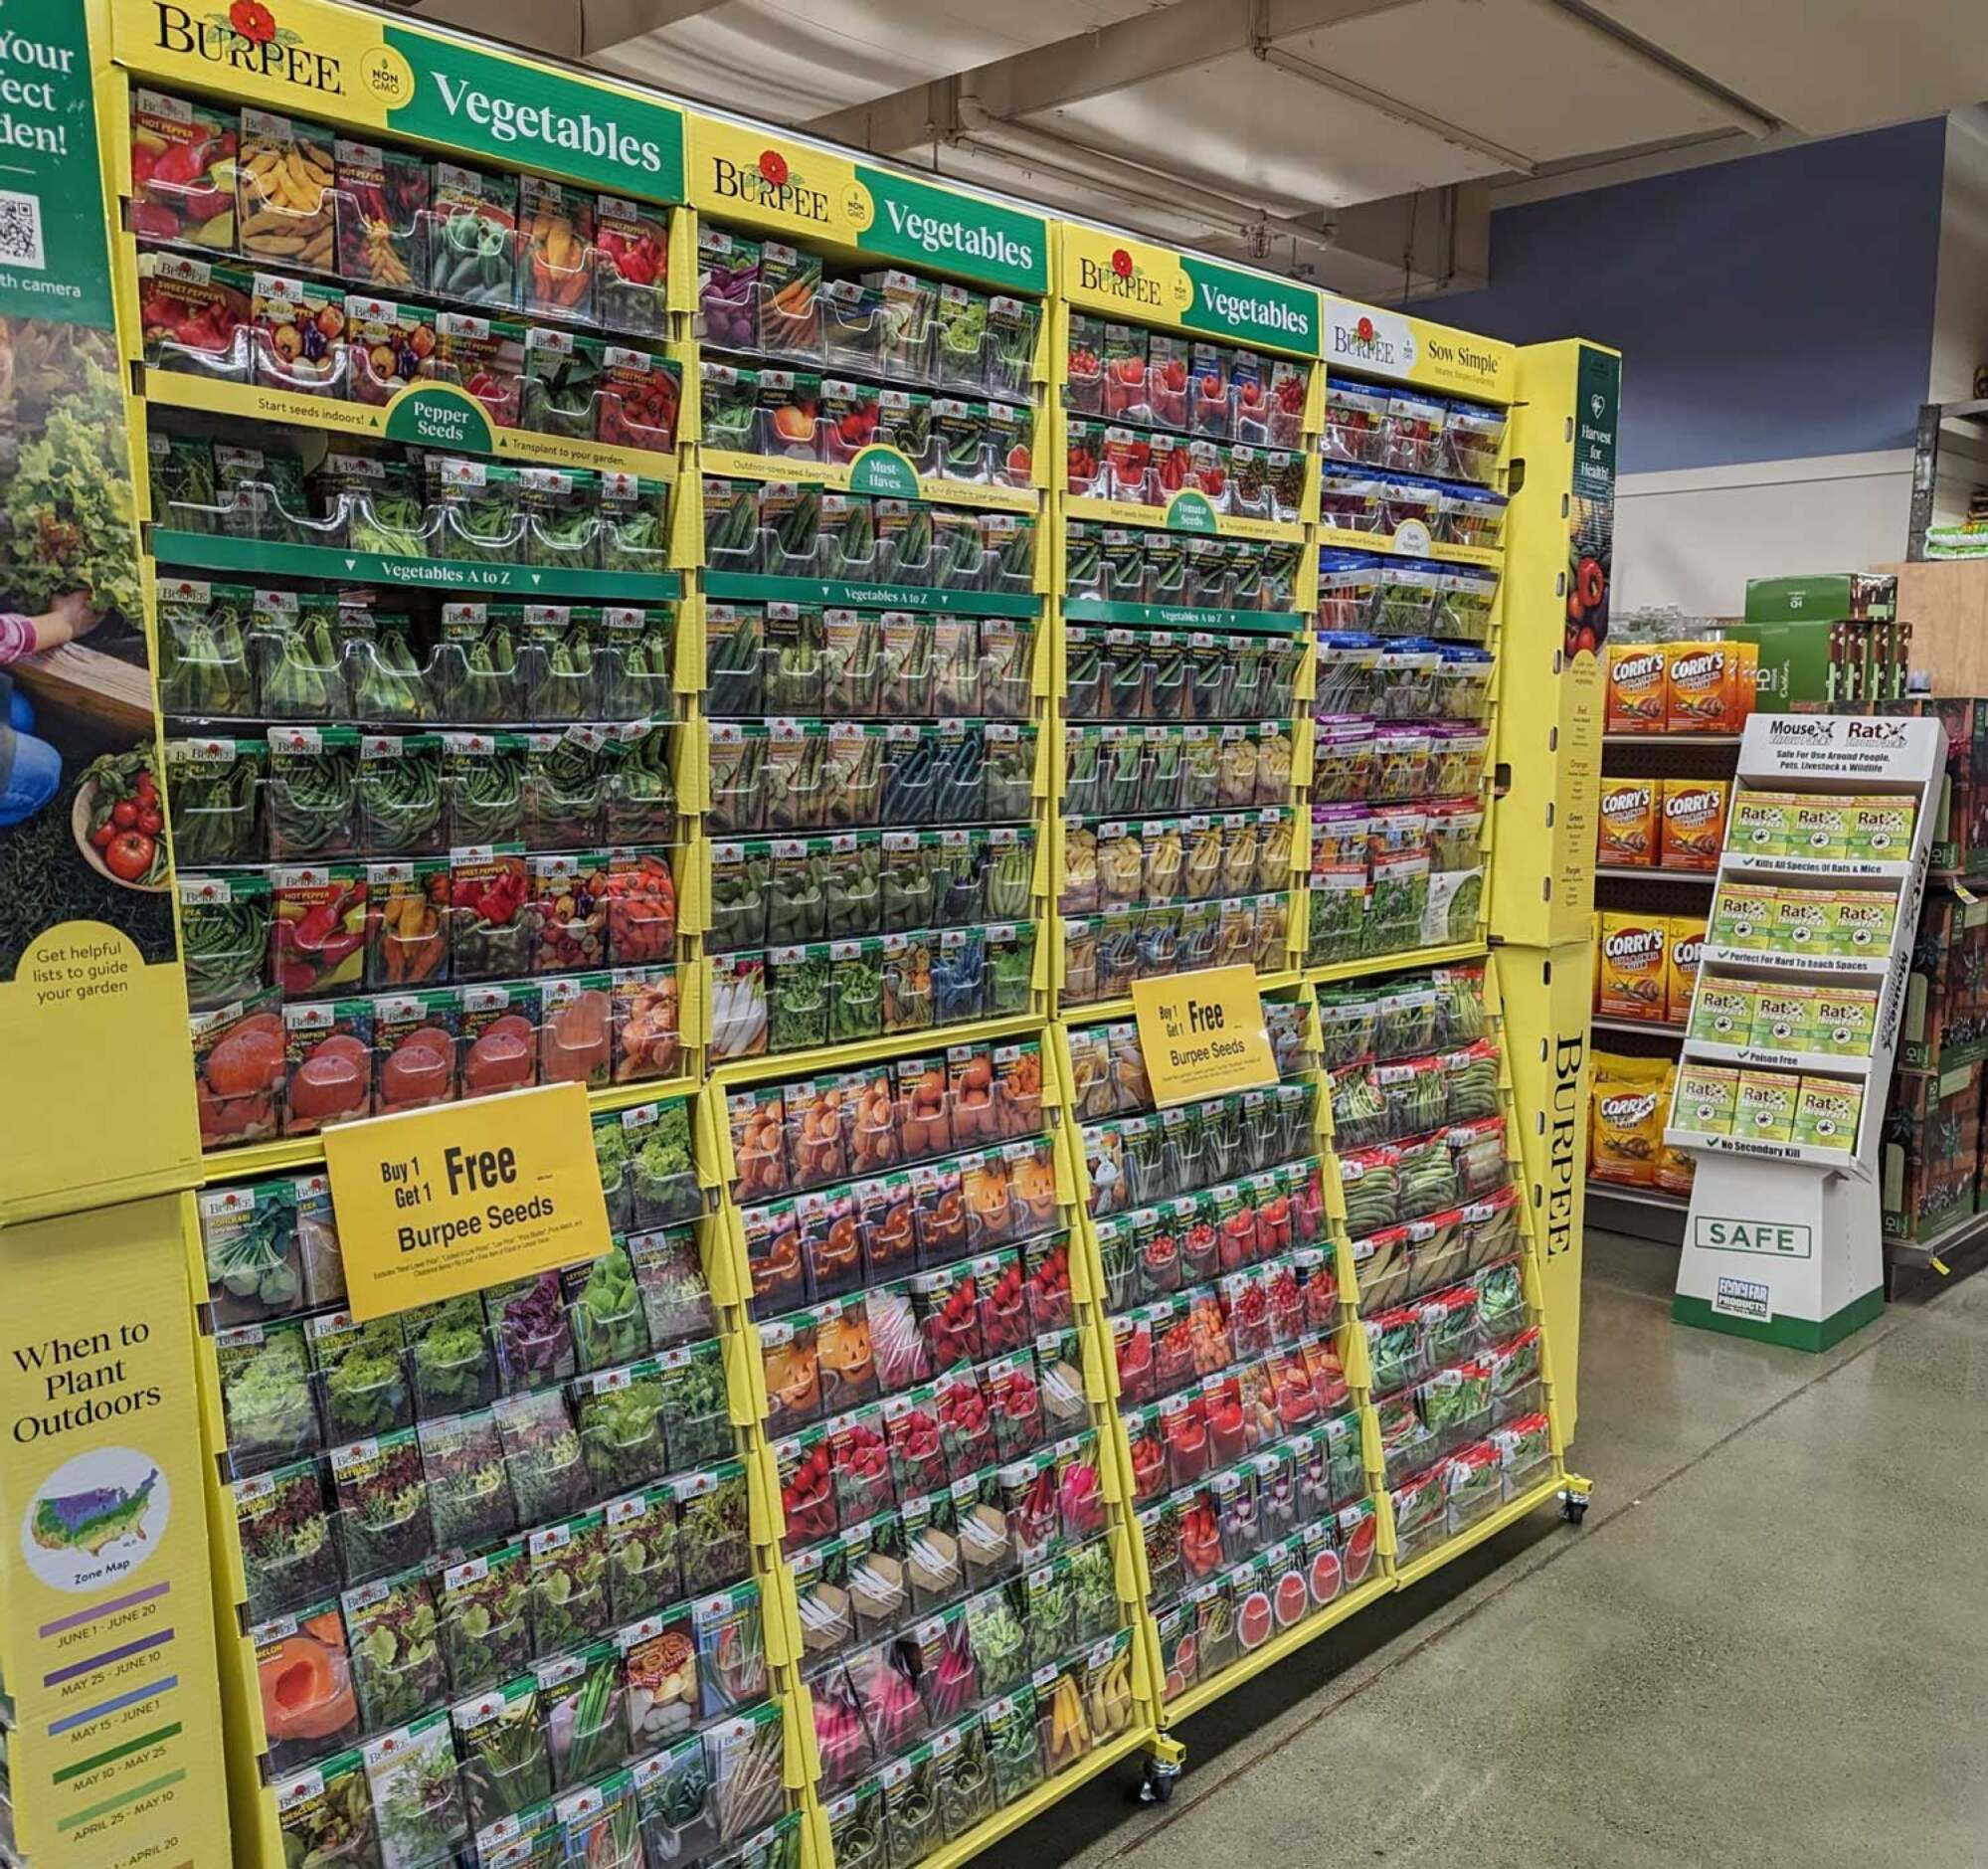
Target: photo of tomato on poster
pixel 1591 566
pixel 82 818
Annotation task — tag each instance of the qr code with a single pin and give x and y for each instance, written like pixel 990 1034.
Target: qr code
pixel 20 230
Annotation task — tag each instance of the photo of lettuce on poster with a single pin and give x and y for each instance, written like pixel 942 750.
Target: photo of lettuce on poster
pixel 81 820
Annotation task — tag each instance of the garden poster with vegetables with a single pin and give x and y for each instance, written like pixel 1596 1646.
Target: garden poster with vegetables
pixel 92 1008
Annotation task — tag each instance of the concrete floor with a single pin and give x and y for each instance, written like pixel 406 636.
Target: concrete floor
pixel 1768 1645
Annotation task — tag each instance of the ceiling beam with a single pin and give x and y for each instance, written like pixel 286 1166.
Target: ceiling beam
pixel 1087 65
pixel 560 29
pixel 1437 239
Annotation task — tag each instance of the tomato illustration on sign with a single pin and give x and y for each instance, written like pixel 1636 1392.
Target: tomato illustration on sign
pixel 1363 331
pixel 1121 264
pixel 772 168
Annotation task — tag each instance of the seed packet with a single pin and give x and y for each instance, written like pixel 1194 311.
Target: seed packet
pixel 381 214
pixel 417 1799
pixel 396 1661
pixel 618 1413
pixel 500 1738
pixel 482 1618
pixel 266 1394
pixel 285 179
pixel 570 1599
pixel 631 264
pixel 309 1645
pixel 299 337
pixel 659 1665
pixel 326 1811
pixel 285 1530
pixel 472 237
pixel 362 1376
pixel 183 158
pixel 548 1474
pixel 581 1696
pixel 713 1521
pixel 381 1489
pixel 696 1415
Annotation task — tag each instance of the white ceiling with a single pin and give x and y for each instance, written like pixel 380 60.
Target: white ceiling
pixel 1118 109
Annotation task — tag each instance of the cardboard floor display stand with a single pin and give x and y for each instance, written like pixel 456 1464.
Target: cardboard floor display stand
pixel 1782 1239
pixel 137 1677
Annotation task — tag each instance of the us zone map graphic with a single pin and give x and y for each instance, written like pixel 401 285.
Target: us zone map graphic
pixel 93 1520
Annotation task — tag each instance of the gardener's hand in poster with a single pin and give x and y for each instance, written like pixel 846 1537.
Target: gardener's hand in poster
pixel 29 768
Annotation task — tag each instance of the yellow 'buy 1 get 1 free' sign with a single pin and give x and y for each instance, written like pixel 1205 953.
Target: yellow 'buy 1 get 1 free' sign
pixel 446 1200
pixel 1203 1035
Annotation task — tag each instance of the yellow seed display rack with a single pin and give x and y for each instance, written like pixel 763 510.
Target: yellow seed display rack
pixel 835 641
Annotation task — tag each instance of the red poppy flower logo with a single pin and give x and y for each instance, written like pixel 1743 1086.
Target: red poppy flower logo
pixel 1363 331
pixel 1121 264
pixel 253 20
pixel 773 167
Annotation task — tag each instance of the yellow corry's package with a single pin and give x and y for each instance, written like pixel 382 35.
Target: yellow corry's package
pixel 1627 816
pixel 1628 1102
pixel 1685 937
pixel 1634 952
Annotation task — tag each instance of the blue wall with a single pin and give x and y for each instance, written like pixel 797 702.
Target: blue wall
pixel 1767 309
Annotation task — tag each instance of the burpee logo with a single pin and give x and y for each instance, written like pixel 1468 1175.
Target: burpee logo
pixel 247 39
pixel 1376 340
pixel 1562 1150
pixel 1121 279
pixel 770 184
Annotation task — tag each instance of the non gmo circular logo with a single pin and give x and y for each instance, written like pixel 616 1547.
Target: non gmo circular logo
pixel 388 76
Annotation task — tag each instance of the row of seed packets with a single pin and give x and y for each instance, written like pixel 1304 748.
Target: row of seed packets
pixel 947 1785
pixel 1126 565
pixel 384 1652
pixel 1104 954
pixel 408 1798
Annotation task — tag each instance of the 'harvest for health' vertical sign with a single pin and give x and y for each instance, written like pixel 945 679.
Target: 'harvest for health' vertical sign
pixel 97 1105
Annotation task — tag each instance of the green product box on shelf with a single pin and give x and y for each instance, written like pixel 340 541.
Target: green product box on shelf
pixel 1828 642
pixel 1822 597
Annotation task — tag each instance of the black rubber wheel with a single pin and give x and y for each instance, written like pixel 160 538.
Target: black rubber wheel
pixel 1155 1786
pixel 1574 1510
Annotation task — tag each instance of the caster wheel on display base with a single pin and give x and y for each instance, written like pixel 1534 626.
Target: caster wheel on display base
pixel 1157 1784
pixel 1573 1509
